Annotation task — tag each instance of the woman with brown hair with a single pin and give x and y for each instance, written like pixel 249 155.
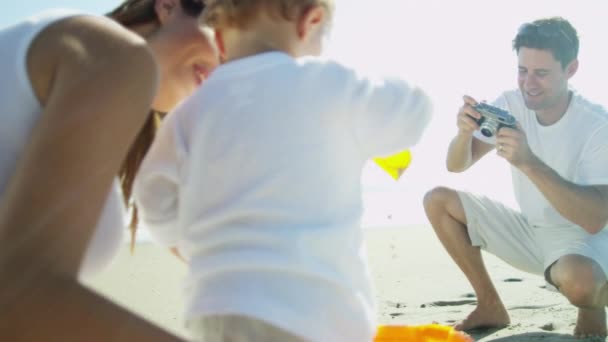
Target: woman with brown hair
pixel 80 99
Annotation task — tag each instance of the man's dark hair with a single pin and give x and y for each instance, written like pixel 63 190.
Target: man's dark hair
pixel 554 34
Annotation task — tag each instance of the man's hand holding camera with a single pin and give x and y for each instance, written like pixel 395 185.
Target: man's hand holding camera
pixel 467 117
pixel 511 140
pixel 512 145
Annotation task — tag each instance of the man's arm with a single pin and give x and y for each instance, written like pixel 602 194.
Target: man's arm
pixel 586 206
pixel 465 150
pixel 583 205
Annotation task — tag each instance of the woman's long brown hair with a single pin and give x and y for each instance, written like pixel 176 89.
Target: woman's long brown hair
pixel 132 13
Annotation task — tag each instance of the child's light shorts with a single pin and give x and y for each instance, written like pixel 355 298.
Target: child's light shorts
pixel 236 328
pixel 507 234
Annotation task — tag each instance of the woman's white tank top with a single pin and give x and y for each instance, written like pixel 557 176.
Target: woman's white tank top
pixel 19 111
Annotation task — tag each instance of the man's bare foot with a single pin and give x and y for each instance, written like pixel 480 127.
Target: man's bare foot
pixel 485 317
pixel 590 323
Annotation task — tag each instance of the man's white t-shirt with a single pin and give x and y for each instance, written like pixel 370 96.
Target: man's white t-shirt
pixel 576 147
pixel 256 180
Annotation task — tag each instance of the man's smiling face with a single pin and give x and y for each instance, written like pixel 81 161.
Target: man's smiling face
pixel 541 78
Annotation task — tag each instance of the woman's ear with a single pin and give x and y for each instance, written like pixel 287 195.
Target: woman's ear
pixel 221 47
pixel 164 9
pixel 311 18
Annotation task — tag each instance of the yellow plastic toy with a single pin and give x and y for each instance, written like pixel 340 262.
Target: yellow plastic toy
pixel 420 333
pixel 396 164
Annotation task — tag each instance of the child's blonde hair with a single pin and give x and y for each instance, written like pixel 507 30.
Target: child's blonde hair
pixel 238 13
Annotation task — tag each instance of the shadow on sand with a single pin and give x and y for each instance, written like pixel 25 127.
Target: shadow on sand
pixel 532 336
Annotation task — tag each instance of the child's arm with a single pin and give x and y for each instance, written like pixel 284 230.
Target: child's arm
pixel 156 187
pixel 176 252
pixel 388 116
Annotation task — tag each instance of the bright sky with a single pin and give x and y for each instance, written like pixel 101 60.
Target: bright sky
pixel 451 48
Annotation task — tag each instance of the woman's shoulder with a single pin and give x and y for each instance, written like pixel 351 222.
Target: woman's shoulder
pixel 81 32
pixel 62 21
pixel 82 41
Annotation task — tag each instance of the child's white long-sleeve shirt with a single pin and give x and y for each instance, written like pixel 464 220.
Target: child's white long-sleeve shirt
pixel 256 179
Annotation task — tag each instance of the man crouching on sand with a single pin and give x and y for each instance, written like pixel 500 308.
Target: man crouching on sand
pixel 558 152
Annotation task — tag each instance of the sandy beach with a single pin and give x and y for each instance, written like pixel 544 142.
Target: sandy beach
pixel 416 283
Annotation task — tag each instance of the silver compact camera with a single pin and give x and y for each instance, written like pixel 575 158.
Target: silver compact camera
pixel 492 119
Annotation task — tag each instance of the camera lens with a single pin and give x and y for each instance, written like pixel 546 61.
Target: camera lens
pixel 488 128
pixel 487 132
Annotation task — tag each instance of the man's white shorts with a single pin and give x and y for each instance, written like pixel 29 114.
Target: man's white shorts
pixel 506 233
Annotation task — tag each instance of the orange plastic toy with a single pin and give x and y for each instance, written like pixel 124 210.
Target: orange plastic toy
pixel 420 333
